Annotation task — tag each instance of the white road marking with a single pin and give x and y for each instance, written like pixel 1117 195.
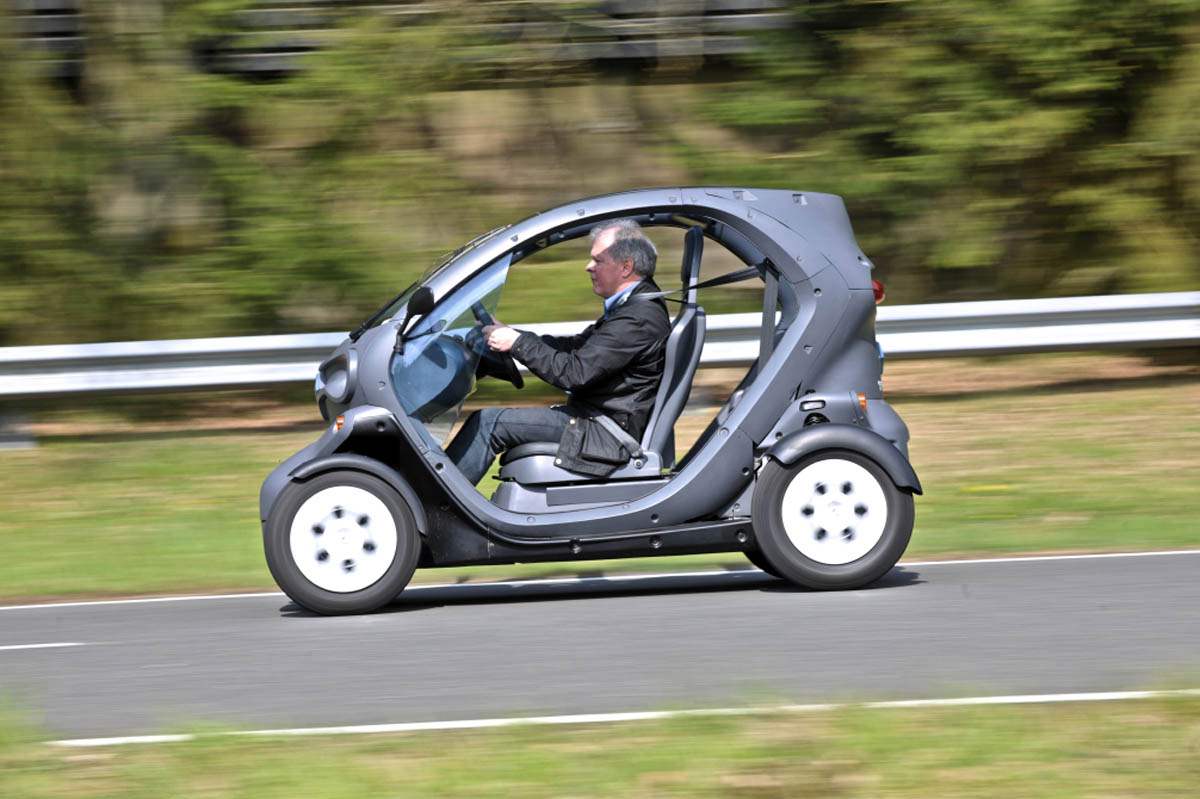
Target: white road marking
pixel 610 718
pixel 12 647
pixel 616 578
pixel 141 601
pixel 1036 558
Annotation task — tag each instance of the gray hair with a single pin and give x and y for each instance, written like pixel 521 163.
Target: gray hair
pixel 630 242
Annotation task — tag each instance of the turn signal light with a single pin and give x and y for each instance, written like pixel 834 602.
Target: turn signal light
pixel 862 400
pixel 341 420
pixel 877 287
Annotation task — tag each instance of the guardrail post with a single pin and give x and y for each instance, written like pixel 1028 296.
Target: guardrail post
pixel 15 430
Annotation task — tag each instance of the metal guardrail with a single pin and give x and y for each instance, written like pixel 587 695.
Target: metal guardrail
pixel 907 331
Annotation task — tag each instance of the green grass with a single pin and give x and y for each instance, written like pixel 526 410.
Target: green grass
pixel 1142 748
pixel 118 503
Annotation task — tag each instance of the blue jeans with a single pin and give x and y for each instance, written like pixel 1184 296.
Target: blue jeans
pixel 493 430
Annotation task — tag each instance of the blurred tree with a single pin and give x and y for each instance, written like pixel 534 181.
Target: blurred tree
pixel 49 159
pixel 175 202
pixel 984 148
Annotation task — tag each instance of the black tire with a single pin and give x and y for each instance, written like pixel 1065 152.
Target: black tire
pixel 351 515
pixel 825 492
pixel 756 558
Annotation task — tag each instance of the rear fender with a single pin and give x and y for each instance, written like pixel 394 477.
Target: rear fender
pixel 818 437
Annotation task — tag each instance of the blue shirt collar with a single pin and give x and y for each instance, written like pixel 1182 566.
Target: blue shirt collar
pixel 616 299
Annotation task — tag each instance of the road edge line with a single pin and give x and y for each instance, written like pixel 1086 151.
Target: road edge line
pixel 611 718
pixel 607 579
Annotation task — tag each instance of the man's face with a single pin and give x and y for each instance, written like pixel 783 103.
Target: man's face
pixel 608 275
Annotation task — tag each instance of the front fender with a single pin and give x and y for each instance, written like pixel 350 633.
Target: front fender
pixel 361 463
pixel 818 437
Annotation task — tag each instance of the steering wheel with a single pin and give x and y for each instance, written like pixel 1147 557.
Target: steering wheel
pixel 505 367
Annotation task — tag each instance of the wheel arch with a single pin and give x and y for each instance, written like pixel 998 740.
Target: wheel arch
pixel 795 446
pixel 361 463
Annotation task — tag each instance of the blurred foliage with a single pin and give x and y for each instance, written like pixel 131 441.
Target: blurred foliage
pixel 165 201
pixel 985 150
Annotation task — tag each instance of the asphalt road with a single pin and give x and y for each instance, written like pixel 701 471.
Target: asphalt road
pixel 475 651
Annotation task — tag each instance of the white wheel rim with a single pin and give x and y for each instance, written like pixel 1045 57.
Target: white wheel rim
pixel 343 539
pixel 834 511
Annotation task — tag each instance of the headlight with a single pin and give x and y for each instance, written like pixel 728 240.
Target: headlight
pixel 336 376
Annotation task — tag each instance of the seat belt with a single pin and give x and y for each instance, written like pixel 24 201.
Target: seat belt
pixel 621 435
pixel 732 277
pixel 608 423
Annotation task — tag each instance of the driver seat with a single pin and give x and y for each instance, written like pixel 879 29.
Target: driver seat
pixel 533 463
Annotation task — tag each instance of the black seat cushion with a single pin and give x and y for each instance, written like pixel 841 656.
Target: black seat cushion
pixel 531 448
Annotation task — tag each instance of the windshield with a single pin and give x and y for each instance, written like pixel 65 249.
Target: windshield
pixel 436 371
pixel 389 309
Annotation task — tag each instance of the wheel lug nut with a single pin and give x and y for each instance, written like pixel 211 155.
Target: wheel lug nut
pixel 848 534
pixel 846 487
pixel 318 529
pixel 322 556
pixel 337 513
pixel 861 510
pixel 820 533
pixel 369 546
pixel 362 521
pixel 807 510
pixel 821 488
pixel 348 565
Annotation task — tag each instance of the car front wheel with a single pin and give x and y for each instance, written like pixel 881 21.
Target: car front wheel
pixel 342 542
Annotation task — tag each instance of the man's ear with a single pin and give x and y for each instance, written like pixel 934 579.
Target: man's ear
pixel 627 268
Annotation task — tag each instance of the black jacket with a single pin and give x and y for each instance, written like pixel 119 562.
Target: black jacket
pixel 615 366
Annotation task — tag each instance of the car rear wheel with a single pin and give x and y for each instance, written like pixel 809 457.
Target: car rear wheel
pixel 832 520
pixel 342 542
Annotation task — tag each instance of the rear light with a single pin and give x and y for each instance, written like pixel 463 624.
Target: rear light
pixel 877 287
pixel 862 401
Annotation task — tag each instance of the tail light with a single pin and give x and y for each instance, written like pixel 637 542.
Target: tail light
pixel 877 287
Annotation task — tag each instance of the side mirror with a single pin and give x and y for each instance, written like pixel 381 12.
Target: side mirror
pixel 419 304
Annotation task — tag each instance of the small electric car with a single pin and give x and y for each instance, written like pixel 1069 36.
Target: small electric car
pixel 804 469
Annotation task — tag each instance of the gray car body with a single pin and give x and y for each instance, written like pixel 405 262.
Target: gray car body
pixel 821 351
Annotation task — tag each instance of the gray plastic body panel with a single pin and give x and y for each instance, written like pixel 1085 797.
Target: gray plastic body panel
pixel 838 408
pixel 361 463
pixel 281 475
pixel 823 342
pixel 602 492
pixel 541 470
pixel 817 438
pixel 521 498
pixel 324 455
pixel 887 423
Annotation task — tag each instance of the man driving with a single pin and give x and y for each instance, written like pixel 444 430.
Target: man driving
pixel 611 369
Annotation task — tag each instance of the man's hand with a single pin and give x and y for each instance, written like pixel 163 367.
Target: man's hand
pixel 500 338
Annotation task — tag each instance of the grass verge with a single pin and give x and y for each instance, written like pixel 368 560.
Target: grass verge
pixel 1145 748
pixel 1034 454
